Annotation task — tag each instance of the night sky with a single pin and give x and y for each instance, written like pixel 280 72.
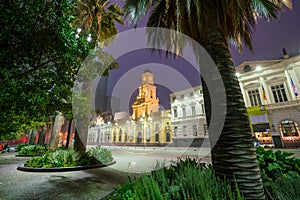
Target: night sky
pixel 268 40
pixel 270 37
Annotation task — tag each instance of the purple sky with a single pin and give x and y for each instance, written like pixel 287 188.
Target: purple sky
pixel 268 40
pixel 270 37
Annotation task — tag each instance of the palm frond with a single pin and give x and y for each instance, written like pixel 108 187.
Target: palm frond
pixel 136 9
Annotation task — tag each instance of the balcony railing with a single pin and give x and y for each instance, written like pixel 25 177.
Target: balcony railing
pixel 283 104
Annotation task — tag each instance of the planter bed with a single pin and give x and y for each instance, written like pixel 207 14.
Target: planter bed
pixel 21 167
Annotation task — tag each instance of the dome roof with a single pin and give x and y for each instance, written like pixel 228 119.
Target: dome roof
pixel 147 70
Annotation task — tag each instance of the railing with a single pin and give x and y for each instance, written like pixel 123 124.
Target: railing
pixel 283 104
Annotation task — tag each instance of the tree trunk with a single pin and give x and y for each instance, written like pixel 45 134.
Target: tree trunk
pixel 58 122
pixel 79 144
pixel 83 118
pixel 32 137
pixel 42 135
pixel 233 155
pixel 69 133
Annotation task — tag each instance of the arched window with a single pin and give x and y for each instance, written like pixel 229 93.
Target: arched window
pixel 139 138
pixel 168 137
pixel 114 139
pixel 156 137
pixel 288 128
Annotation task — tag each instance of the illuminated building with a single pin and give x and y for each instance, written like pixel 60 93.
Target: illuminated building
pixel 147 125
pixel 270 90
pixel 188 117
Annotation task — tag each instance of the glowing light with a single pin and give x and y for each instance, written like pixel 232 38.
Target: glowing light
pixel 258 68
pixel 89 38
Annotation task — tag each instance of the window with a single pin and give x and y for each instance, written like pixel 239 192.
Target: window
pixel 175 130
pixel 279 93
pixel 195 130
pixel 254 97
pixel 156 137
pixel 193 111
pixel 168 137
pixel 205 129
pixel 183 112
pixel 156 127
pixel 202 107
pixel 289 128
pixel 173 98
pixel 184 131
pixel 201 91
pixel 191 94
pixel 175 112
pixel 114 136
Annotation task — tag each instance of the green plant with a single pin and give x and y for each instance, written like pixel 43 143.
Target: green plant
pixel 276 164
pixel 20 146
pixel 32 149
pixel 101 154
pixel 186 179
pixel 283 188
pixel 69 158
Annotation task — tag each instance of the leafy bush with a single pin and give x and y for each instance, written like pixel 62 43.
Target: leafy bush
pixel 19 146
pixel 276 164
pixel 69 158
pixel 101 154
pixel 32 149
pixel 187 179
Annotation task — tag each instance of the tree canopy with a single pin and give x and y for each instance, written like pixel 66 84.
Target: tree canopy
pixel 40 56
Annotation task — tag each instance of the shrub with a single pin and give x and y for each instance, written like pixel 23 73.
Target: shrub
pixel 19 146
pixel 101 154
pixel 32 149
pixel 70 158
pixel 276 164
pixel 187 179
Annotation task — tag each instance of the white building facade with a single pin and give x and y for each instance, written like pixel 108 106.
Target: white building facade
pixel 188 117
pixel 270 90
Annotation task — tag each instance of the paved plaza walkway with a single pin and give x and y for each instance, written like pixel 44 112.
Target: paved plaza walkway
pixel 87 184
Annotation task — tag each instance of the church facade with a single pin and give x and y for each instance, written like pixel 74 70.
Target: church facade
pixel 147 126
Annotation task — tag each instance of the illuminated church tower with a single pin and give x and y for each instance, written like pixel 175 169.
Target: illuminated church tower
pixel 146 102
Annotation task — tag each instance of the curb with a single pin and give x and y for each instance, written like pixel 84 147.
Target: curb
pixel 27 155
pixel 21 167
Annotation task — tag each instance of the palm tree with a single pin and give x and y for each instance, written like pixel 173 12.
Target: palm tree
pixel 95 18
pixel 98 17
pixel 213 23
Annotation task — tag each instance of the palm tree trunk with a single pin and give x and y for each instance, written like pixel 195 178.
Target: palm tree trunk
pixel 233 155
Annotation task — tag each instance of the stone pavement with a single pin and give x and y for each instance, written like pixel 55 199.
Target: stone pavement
pixel 87 184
